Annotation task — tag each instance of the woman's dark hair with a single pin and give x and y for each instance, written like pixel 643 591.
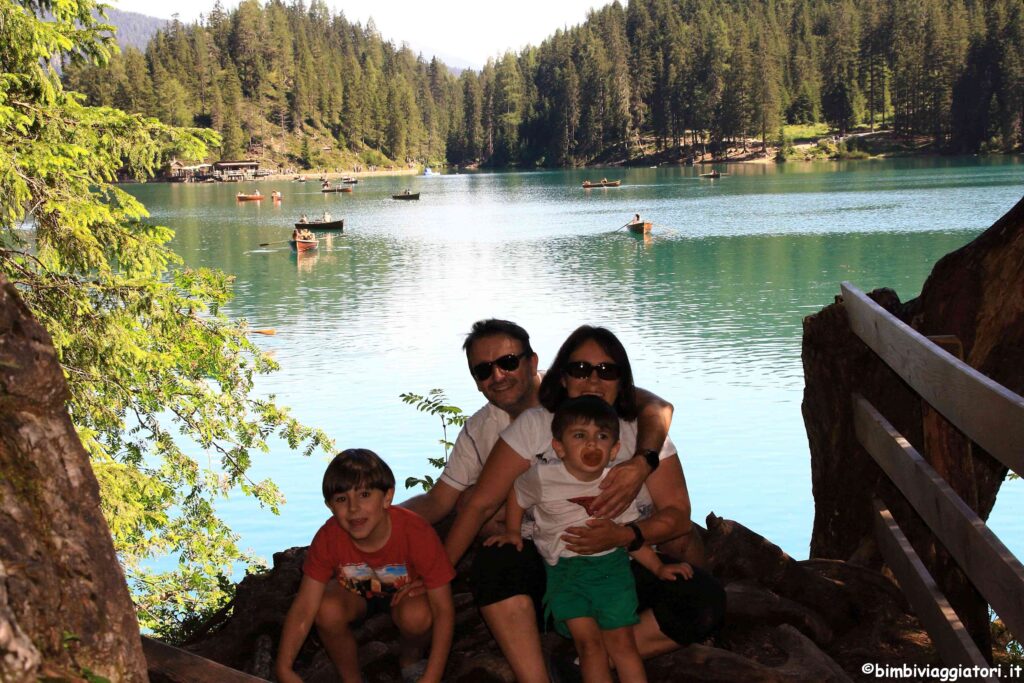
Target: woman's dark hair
pixel 357 468
pixel 552 392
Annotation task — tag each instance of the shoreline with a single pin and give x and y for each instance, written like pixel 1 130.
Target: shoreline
pixel 313 176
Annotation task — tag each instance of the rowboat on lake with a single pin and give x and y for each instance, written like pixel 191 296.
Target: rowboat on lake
pixel 712 174
pixel 337 188
pixel 640 227
pixel 323 222
pixel 350 180
pixel 304 245
pixel 601 183
pixel 320 224
pixel 254 197
pixel 406 195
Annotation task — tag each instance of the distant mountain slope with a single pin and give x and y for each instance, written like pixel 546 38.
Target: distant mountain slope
pixel 133 29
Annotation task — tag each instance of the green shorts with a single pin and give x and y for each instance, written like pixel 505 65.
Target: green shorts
pixel 600 587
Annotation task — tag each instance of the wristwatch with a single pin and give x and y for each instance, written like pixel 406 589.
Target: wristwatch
pixel 638 538
pixel 651 456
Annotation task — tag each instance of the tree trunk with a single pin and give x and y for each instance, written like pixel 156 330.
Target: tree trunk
pixel 975 294
pixel 64 606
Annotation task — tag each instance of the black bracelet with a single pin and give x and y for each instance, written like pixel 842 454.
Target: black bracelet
pixel 651 456
pixel 638 538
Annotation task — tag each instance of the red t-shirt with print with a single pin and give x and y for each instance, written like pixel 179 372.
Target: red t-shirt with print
pixel 413 551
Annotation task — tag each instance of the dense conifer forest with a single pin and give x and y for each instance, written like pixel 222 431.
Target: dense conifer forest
pixel 653 74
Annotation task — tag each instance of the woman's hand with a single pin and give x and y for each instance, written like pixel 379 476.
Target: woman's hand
pixel 509 537
pixel 619 487
pixel 669 572
pixel 597 536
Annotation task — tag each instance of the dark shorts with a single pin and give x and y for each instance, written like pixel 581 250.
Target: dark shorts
pixel 687 611
pixel 501 572
pixel 380 604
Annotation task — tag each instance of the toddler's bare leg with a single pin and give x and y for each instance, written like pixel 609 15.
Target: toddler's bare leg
pixel 590 645
pixel 621 646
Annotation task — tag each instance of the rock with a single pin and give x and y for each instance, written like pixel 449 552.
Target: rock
pixel 704 664
pixel 64 604
pixel 806 662
pixel 735 552
pixel 761 641
pixel 751 604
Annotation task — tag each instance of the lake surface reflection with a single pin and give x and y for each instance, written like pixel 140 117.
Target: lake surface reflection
pixel 709 307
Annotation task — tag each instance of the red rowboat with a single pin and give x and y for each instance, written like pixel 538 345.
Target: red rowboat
pixel 304 245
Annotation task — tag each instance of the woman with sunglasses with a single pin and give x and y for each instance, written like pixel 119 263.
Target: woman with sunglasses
pixel 672 613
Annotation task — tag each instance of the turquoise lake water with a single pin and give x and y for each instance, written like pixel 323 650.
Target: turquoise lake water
pixel 710 306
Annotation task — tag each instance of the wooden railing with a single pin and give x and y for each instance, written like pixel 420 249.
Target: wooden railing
pixel 168 664
pixel 989 415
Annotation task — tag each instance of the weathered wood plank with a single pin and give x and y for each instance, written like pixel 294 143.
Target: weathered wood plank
pixel 987 412
pixel 995 571
pixel 948 451
pixel 177 665
pixel 950 636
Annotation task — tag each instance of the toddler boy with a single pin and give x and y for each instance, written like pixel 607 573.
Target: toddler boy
pixel 590 597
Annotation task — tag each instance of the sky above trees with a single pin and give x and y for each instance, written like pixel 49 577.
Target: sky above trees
pixel 463 33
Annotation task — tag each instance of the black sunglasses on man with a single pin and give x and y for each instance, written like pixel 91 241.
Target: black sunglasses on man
pixel 509 363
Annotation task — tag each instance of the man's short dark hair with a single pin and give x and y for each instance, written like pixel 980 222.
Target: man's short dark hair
pixel 585 410
pixel 492 327
pixel 356 468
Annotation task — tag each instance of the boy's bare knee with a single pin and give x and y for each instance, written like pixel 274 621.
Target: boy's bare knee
pixel 590 647
pixel 337 610
pixel 412 616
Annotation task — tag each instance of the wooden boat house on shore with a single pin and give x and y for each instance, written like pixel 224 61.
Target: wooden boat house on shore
pixel 235 171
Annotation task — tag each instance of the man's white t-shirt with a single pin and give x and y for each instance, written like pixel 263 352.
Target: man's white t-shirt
pixel 473 445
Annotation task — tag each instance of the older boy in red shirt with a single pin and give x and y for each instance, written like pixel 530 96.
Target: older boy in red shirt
pixel 372 549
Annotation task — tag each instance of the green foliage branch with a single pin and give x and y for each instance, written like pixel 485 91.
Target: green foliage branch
pixel 435 403
pixel 160 379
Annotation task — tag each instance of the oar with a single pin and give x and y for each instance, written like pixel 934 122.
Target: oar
pixel 616 229
pixel 270 332
pixel 267 244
